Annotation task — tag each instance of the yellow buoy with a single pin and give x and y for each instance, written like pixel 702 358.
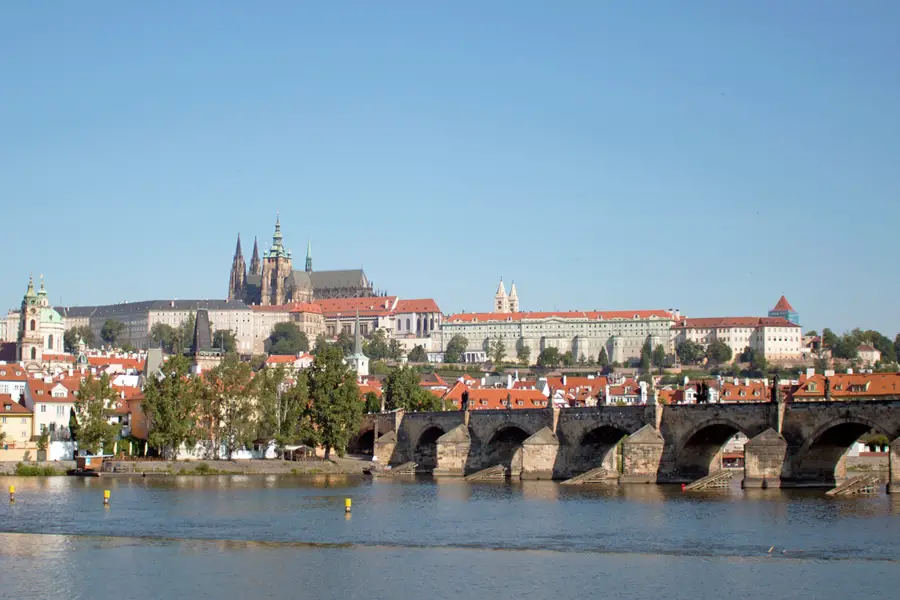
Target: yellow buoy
pixel 12 493
pixel 106 497
pixel 347 505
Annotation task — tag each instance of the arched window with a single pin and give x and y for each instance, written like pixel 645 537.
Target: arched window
pixel 33 353
pixel 49 342
pixel 32 324
pixel 408 328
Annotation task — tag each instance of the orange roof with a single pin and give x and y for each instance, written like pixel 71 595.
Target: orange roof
pixel 280 359
pixel 377 305
pixel 783 304
pixel 365 388
pixel 12 373
pixel 724 322
pixel 422 305
pixel 496 398
pixel 58 357
pixel 579 315
pixel 756 391
pixel 127 363
pixel 856 385
pixel 294 307
pixel 8 405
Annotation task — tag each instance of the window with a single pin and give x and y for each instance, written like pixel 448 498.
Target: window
pixel 32 324
pixel 24 420
pixel 43 408
pixel 3 420
pixel 50 342
pixel 33 352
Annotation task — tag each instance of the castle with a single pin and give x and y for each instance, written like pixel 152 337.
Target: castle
pixel 273 281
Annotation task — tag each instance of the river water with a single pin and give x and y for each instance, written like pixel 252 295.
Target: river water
pixel 237 537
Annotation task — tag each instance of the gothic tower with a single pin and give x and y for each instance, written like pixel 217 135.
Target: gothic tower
pixel 513 299
pixel 277 272
pixel 31 340
pixel 238 274
pixel 501 300
pixel 255 268
pixel 308 256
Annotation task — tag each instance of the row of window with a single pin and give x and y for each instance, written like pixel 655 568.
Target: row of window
pixel 24 420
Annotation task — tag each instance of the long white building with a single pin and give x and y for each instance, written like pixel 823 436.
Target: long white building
pixel 776 337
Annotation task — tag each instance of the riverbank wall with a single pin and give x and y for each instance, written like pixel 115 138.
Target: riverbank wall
pixel 338 466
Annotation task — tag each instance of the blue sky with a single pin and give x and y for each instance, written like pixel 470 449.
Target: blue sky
pixel 605 155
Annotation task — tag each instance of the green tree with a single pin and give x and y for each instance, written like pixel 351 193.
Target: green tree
pixel 345 342
pixel 602 358
pixel 166 337
pixel 829 338
pixel 897 346
pixel 296 416
pixel 417 354
pixel 549 357
pixel 111 331
pixel 659 356
pixel 395 350
pixel 187 333
pixel 334 398
pixel 523 352
pixel 286 338
pixel 812 333
pixel 227 407
pixel 690 353
pixel 566 359
pixel 820 363
pixel 224 339
pixel 74 428
pixel 268 388
pixel 402 390
pixel 95 398
pixel 646 355
pixel 718 352
pixel 845 347
pixel 497 351
pixel 373 403
pixel 257 362
pixel 82 332
pixel 170 403
pixel 376 346
pixel 455 347
pixel 321 344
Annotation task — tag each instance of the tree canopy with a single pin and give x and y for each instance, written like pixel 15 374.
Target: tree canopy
pixel 497 351
pixel 96 398
pixel 286 338
pixel 167 337
pixel 334 400
pixel 549 357
pixel 523 352
pixel 402 390
pixel 418 354
pixel 170 403
pixel 690 353
pixel 659 356
pixel 455 347
pixel 718 352
pixel 602 358
pixel 71 337
pixel 111 331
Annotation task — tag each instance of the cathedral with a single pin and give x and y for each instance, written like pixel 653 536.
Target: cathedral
pixel 273 281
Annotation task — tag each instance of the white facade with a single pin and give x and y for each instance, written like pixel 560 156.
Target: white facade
pixel 621 333
pixel 51 402
pixel 776 338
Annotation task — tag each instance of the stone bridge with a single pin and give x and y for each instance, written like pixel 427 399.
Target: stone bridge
pixel 791 444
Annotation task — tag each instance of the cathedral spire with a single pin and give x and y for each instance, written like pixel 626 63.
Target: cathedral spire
pixel 357 343
pixel 277 250
pixel 255 268
pixel 238 278
pixel 237 250
pixel 29 293
pixel 308 256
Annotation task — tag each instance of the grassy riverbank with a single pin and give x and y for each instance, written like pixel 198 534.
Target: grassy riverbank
pixel 337 466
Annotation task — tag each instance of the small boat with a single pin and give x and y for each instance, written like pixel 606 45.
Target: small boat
pixel 88 466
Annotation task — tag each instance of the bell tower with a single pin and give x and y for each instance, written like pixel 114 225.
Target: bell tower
pixel 30 338
pixel 501 300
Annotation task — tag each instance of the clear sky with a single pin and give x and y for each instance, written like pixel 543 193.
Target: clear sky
pixel 708 156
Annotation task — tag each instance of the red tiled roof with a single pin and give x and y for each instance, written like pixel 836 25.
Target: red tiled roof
pixel 422 305
pixel 783 304
pixel 13 372
pixel 125 362
pixel 365 388
pixel 378 305
pixel 866 348
pixel 579 315
pixel 8 405
pixel 756 391
pixel 725 322
pixel 495 398
pixel 856 385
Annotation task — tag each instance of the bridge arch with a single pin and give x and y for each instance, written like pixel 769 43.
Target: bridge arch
pixel 364 443
pixel 699 451
pixel 504 447
pixel 597 448
pixel 822 456
pixel 425 450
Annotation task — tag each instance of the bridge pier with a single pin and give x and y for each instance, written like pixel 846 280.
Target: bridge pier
pixel 539 455
pixel 893 486
pixel 764 457
pixel 453 452
pixel 384 448
pixel 641 455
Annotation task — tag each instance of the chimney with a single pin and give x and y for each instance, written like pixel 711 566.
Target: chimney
pixel 849 371
pixel 735 381
pixel 747 381
pixel 810 372
pixel 564 380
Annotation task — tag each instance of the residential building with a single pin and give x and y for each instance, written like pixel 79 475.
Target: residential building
pixel 15 422
pixel 775 337
pixel 846 386
pixel 290 361
pixel 868 355
pixel 52 401
pixel 784 310
pixel 12 380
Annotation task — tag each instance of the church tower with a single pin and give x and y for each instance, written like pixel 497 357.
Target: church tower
pixel 238 274
pixel 513 299
pixel 277 272
pixel 255 268
pixel 31 339
pixel 308 256
pixel 501 300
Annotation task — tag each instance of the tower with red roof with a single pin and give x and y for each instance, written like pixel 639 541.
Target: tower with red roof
pixel 784 310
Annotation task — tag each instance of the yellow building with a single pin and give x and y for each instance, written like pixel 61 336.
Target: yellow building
pixel 16 425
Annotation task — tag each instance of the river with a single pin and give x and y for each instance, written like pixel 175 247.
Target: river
pixel 231 537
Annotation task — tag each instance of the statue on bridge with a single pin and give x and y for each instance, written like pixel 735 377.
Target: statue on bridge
pixel 827 389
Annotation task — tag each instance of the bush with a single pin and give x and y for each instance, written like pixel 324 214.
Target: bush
pixel 23 470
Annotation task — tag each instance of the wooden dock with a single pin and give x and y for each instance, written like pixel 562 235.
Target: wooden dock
pixel 862 484
pixel 495 473
pixel 598 475
pixel 714 481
